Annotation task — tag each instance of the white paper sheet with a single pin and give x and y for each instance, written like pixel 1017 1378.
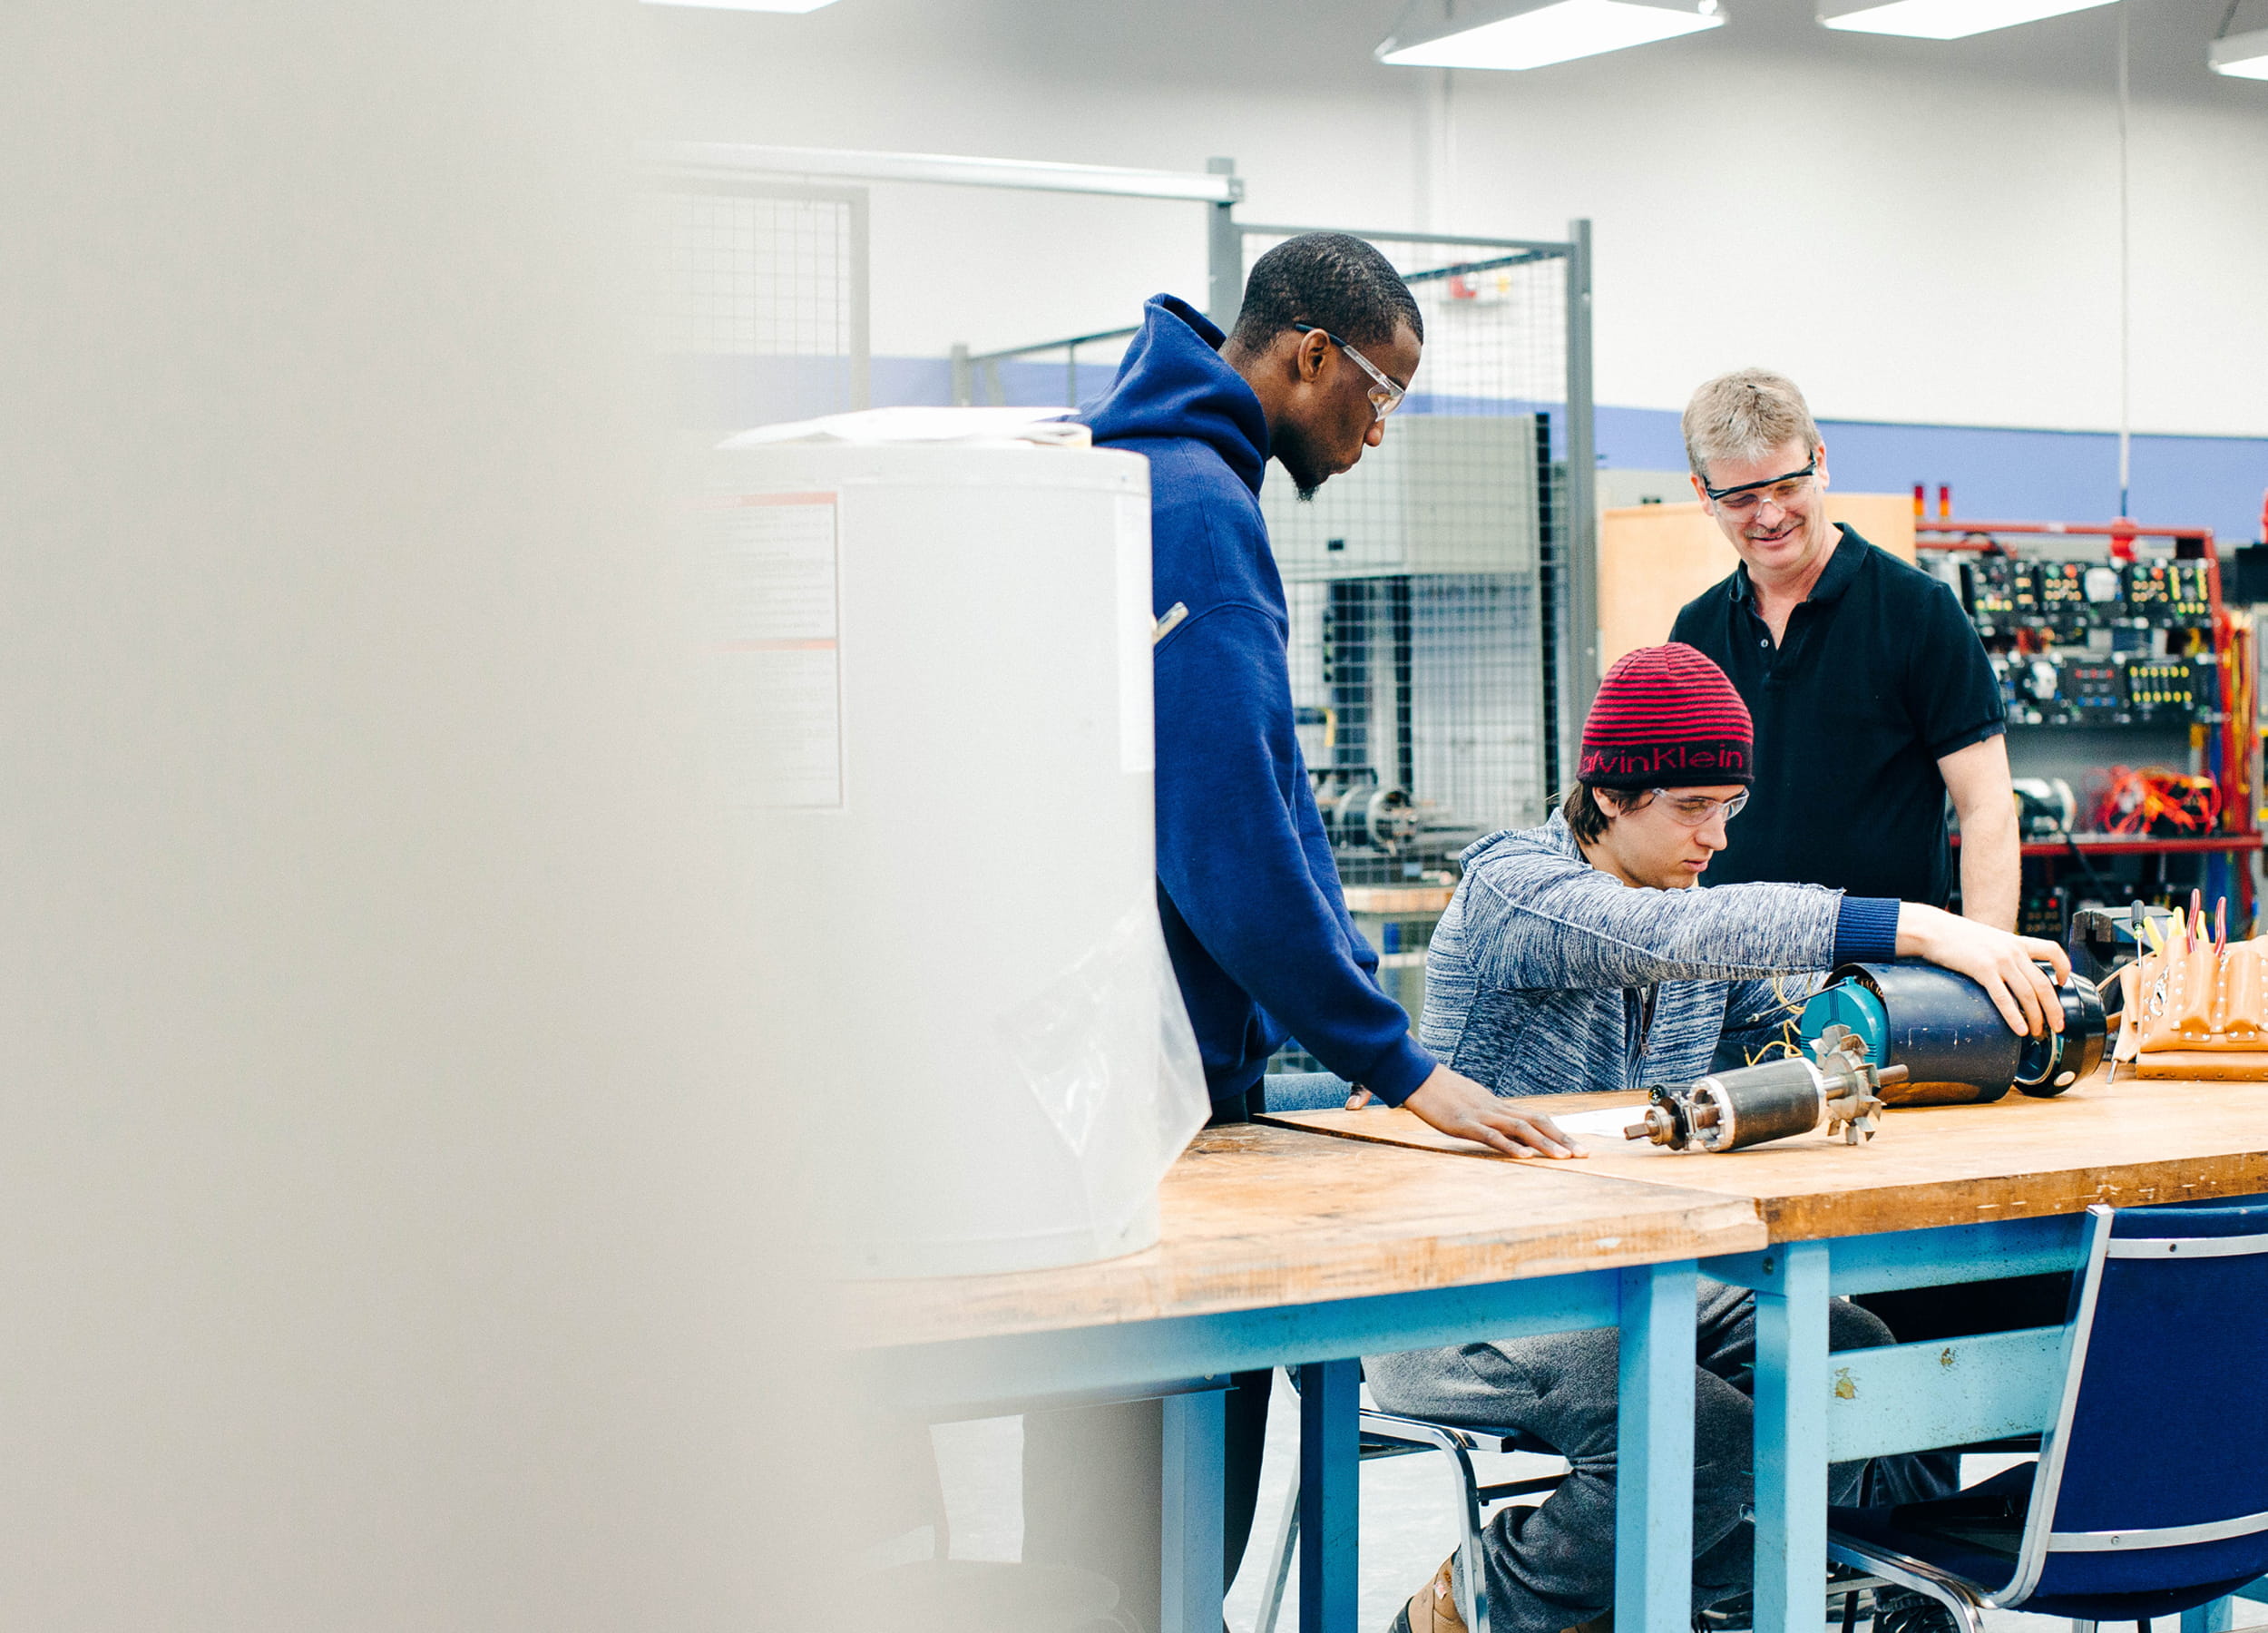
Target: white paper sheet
pixel 925 424
pixel 1606 1125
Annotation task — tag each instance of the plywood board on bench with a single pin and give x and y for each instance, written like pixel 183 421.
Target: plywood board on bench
pixel 2125 1143
pixel 1257 1217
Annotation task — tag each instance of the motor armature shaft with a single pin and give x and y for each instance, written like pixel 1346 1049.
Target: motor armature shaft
pixel 1836 1085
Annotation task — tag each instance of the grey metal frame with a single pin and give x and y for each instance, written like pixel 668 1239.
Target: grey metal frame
pixel 689 180
pixel 1218 189
pixel 735 167
pixel 1569 640
pixel 1581 665
pixel 968 365
pixel 1570 636
pixel 1218 184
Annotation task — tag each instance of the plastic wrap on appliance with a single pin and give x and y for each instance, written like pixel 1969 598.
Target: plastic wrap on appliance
pixel 1107 1050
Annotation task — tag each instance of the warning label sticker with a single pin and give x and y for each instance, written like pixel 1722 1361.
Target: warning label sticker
pixel 779 571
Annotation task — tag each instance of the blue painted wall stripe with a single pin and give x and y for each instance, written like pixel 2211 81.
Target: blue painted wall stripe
pixel 1996 473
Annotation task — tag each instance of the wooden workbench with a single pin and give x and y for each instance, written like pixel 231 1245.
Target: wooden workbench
pixel 1942 1194
pixel 2125 1143
pixel 1284 1247
pixel 1259 1217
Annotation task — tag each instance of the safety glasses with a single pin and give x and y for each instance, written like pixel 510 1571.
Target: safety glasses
pixel 1744 498
pixel 1694 810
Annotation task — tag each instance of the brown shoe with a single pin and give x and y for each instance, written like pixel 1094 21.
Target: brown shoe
pixel 1604 1622
pixel 1433 1609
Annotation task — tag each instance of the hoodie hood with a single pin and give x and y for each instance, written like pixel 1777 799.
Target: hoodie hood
pixel 1173 383
pixel 1553 836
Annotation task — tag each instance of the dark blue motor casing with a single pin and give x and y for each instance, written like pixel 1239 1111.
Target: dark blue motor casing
pixel 1944 1031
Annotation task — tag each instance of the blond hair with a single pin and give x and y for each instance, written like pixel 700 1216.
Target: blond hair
pixel 1746 414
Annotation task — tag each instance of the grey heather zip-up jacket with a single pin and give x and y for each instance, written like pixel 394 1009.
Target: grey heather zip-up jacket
pixel 1546 977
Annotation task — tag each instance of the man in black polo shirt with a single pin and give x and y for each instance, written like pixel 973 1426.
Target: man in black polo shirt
pixel 1872 700
pixel 1871 693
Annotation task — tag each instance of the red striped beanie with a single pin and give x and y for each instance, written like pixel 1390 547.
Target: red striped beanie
pixel 1667 718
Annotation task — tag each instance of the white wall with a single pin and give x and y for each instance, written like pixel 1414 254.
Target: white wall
pixel 1919 231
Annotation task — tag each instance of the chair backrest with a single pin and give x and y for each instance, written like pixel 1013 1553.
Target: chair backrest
pixel 2155 1475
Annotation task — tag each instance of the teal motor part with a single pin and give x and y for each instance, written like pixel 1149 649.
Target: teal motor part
pixel 1944 1031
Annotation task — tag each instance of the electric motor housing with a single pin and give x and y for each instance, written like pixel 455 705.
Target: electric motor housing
pixel 1944 1029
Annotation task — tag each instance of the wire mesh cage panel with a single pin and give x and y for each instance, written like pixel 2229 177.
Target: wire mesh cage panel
pixel 762 308
pixel 1423 583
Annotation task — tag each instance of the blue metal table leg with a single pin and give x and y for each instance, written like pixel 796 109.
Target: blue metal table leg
pixel 1791 1456
pixel 2218 1616
pixel 1654 1464
pixel 1330 1397
pixel 1190 1581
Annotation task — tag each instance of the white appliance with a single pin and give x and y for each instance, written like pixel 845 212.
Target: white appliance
pixel 937 651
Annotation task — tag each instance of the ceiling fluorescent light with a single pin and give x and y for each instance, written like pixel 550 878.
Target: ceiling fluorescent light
pixel 1945 19
pixel 2244 55
pixel 749 5
pixel 1535 34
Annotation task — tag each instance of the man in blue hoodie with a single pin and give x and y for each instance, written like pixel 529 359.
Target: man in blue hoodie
pixel 1325 348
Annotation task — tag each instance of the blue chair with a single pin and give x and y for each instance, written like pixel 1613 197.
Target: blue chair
pixel 2149 1496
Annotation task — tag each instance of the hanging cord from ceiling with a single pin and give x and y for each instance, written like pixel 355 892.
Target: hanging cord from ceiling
pixel 2126 284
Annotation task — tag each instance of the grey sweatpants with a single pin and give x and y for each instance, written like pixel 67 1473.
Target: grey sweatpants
pixel 1552 1566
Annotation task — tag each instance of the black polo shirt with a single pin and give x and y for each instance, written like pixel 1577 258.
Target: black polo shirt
pixel 1880 676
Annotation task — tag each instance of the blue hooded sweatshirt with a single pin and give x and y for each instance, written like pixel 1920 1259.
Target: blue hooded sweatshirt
pixel 1254 916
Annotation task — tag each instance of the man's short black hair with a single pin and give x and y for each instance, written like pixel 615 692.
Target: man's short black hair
pixel 1333 280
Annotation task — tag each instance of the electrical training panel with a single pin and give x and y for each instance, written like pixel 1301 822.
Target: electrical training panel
pixel 2069 689
pixel 2008 594
pixel 2094 642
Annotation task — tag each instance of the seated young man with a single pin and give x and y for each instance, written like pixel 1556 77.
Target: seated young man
pixel 1578 956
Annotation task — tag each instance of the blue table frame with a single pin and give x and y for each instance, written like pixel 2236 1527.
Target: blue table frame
pixel 1869 1403
pixel 1813 1409
pixel 1651 1305
pixel 2133 1143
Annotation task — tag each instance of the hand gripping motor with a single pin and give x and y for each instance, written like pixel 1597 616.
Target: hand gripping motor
pixel 1837 1084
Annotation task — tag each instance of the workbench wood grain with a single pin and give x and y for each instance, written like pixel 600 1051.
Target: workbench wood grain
pixel 1388 899
pixel 1257 1218
pixel 2126 1143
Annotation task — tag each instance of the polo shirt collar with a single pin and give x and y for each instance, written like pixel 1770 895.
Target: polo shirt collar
pixel 1842 567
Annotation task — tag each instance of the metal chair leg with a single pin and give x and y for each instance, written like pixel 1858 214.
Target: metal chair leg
pixel 1473 1563
pixel 1419 1434
pixel 1279 1559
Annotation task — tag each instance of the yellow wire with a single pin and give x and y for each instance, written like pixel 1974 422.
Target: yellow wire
pixel 1786 1043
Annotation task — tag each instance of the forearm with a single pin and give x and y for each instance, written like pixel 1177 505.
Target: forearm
pixel 1991 863
pixel 1589 931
